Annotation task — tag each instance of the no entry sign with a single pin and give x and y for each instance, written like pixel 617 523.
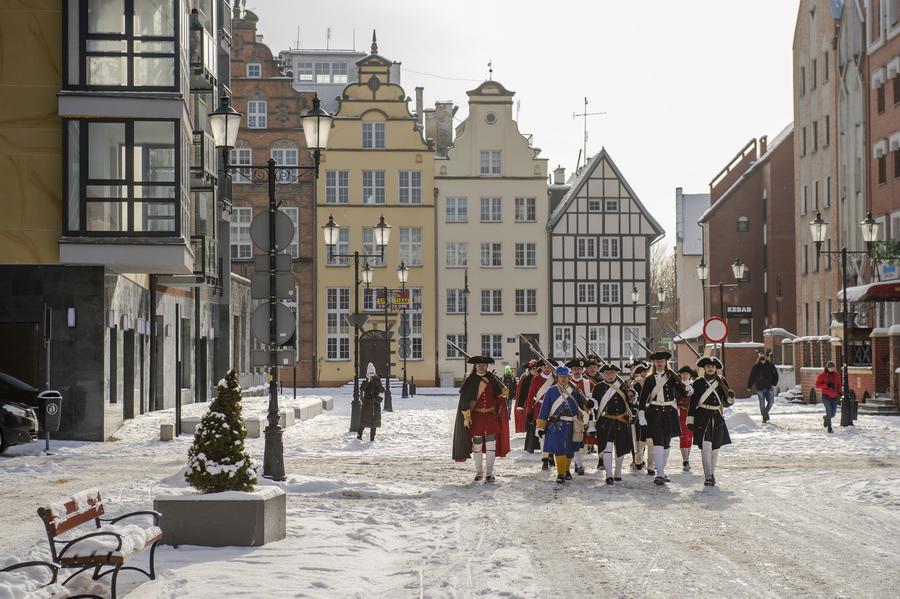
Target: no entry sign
pixel 715 330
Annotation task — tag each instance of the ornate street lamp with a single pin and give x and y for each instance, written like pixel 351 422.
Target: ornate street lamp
pixel 403 277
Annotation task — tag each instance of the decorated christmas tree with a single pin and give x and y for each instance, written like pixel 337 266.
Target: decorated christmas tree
pixel 217 460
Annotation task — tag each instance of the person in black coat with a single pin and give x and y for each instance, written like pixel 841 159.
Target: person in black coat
pixel 370 413
pixel 765 376
pixel 658 411
pixel 706 418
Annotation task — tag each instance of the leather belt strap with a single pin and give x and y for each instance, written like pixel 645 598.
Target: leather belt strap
pixel 483 410
pixel 662 403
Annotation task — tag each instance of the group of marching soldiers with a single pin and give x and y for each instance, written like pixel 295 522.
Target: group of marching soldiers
pixel 587 406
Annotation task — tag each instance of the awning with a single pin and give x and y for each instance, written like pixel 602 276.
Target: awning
pixel 692 332
pixel 885 291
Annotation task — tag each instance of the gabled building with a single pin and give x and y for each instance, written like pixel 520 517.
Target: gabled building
pixel 377 164
pixel 599 240
pixel 491 191
pixel 690 310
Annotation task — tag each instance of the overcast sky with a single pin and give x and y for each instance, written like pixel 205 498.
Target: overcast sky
pixel 684 85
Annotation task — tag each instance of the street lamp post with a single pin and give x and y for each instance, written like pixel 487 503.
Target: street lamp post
pixel 818 228
pixel 332 230
pixel 388 399
pixel 224 124
pixel 738 269
pixel 465 343
pixel 403 277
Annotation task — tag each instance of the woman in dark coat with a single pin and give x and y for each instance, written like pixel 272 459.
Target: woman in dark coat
pixel 370 413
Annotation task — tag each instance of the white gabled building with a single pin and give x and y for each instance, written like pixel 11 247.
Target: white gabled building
pixel 600 236
pixel 491 196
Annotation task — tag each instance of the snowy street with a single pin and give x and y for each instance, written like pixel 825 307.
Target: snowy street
pixel 797 512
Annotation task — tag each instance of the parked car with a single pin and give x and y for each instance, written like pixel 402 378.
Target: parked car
pixel 18 422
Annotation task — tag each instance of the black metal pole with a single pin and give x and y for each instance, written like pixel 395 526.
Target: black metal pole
pixel 388 406
pixel 847 401
pixel 722 310
pixel 355 406
pixel 273 459
pixel 405 390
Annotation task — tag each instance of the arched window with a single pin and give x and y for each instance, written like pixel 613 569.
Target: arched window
pixel 744 328
pixel 743 224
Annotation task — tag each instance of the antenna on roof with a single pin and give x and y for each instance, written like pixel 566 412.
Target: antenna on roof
pixel 298 37
pixel 328 39
pixel 490 70
pixel 586 114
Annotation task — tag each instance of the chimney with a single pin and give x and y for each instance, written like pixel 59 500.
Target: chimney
pixel 559 176
pixel 420 106
pixel 763 144
pixel 443 120
pixel 259 38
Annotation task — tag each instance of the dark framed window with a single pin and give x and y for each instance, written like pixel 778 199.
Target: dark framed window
pixel 743 224
pixel 123 44
pixel 125 178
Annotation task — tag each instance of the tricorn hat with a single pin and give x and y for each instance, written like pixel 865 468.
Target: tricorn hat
pixel 480 360
pixel 709 360
pixel 661 355
pixel 688 370
pixel 609 366
pixel 640 367
pixel 579 362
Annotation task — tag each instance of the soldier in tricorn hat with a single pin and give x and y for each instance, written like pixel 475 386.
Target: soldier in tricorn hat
pixel 706 417
pixel 482 422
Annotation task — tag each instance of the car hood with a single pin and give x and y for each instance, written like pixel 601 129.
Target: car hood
pixel 16 404
pixel 16 383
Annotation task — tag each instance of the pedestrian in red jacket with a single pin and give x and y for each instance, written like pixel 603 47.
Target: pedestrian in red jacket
pixel 829 383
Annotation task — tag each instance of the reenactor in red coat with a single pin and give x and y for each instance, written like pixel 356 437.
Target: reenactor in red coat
pixel 539 386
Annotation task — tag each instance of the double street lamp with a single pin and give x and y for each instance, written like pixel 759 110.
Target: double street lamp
pixel 403 277
pixel 382 234
pixel 739 270
pixel 225 123
pixel 818 229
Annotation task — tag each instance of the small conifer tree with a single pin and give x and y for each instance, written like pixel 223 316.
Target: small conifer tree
pixel 217 460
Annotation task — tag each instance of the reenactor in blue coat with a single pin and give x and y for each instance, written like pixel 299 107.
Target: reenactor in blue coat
pixel 658 411
pixel 706 415
pixel 556 423
pixel 612 415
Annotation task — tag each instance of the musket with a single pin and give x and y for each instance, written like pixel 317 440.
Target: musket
pixel 540 354
pixel 677 334
pixel 635 338
pixel 589 346
pixel 467 357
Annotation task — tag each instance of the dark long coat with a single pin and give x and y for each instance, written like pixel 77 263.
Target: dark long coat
pixel 370 414
pixel 709 424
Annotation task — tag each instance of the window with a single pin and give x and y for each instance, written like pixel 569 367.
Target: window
pixel 457 210
pixel 803 200
pixel 630 345
pixel 239 157
pixel 827 130
pixel 342 247
pixel 587 293
pixel 828 262
pixel 609 293
pixel 303 71
pixel 410 187
pixel 612 205
pixel 373 187
pixel 804 263
pixel 256 115
pixel 801 80
pixel 815 195
pixel 457 254
pixel 893 12
pixel 339 72
pixel 525 210
pixel 414 316
pixel 123 45
pixel 373 136
pixel 410 246
pixel 369 247
pixel 815 136
pixel 127 178
pixel 241 245
pixel 825 67
pixel 491 255
pixel 597 341
pixel 827 192
pixel 526 301
pixel 595 206
pixel 880 98
pixel 285 157
pixel 294 214
pixel 743 224
pixel 337 331
pixel 490 210
pixel 337 187
pixel 562 342
pixel 746 277
pixel 330 72
pixel 492 345
pixel 586 247
pixel 492 301
pixel 490 164
pixel 896 89
pixel 803 141
pixel 460 341
pixel 882 169
pixel 526 255
pixel 456 302
pixel 368 303
pixel 896 163
pixel 813 74
pixel 254 70
pixel 609 247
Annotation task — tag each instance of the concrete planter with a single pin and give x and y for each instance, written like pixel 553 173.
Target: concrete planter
pixel 229 519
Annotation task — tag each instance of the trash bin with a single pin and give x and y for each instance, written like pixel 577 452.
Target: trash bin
pixel 49 410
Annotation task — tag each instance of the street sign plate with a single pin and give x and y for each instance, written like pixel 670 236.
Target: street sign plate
pixel 284 357
pixel 404 352
pixel 285 286
pixel 284 230
pixel 282 262
pixel 404 330
pixel 284 323
pixel 405 342
pixel 715 330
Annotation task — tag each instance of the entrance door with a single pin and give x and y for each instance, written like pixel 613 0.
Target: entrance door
pixel 372 349
pixel 128 379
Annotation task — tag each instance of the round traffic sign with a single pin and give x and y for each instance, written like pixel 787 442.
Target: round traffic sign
pixel 284 230
pixel 260 323
pixel 404 330
pixel 715 330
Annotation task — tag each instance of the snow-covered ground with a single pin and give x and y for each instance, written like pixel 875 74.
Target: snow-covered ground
pixel 796 513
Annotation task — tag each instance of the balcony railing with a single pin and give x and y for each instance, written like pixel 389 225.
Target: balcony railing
pixel 203 60
pixel 203 161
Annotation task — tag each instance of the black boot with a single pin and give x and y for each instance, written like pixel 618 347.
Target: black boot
pixel 545 465
pixel 360 432
pixel 372 434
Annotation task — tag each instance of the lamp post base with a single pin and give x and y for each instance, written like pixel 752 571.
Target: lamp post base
pixel 273 458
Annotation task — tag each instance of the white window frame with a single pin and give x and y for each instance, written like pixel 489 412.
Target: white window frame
pixel 526 301
pixel 410 187
pixel 630 347
pixel 595 205
pixel 240 157
pixel 610 293
pixel 416 322
pixel 369 247
pixel 562 342
pixel 456 302
pixel 373 136
pixel 457 210
pixel 337 331
pixel 285 157
pixel 342 247
pixel 456 254
pixel 492 345
pixel 610 205
pixel 598 339
pixel 492 301
pixel 526 255
pixel 294 214
pixel 491 163
pixel 257 112
pixel 254 70
pixel 241 244
pixel 587 294
pixel 410 246
pixel 586 248
pixel 491 255
pixel 303 71
pixel 491 210
pixel 337 187
pixel 609 248
pixel 373 189
pixel 460 340
pixel 526 210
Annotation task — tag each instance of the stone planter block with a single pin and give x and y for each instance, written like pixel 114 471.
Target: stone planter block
pixel 255 426
pixel 286 418
pixel 315 409
pixel 189 425
pixel 166 431
pixel 328 404
pixel 298 414
pixel 229 519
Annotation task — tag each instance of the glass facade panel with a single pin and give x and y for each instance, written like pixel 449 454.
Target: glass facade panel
pixel 154 18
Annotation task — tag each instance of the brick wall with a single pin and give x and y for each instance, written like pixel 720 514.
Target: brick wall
pixel 739 359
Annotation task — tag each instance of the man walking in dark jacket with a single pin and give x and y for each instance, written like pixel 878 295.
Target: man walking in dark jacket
pixel 765 376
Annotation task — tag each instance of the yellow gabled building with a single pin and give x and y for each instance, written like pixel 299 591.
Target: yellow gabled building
pixel 378 163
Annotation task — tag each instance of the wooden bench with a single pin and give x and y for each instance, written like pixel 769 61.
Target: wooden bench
pixel 107 546
pixel 24 579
